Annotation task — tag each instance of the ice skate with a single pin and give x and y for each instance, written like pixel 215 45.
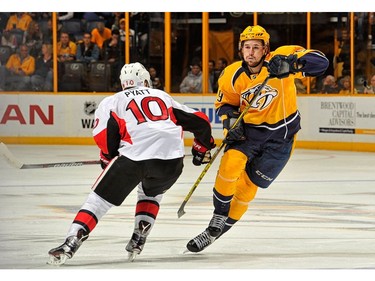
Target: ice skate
pixel 59 255
pixel 207 237
pixel 138 240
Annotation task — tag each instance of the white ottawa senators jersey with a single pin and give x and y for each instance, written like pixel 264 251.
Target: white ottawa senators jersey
pixel 143 123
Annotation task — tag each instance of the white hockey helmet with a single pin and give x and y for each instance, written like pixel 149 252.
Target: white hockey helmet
pixel 133 75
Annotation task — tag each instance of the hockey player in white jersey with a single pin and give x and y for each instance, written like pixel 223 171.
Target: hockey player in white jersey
pixel 139 132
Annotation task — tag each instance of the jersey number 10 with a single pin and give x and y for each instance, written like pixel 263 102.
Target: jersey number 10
pixel 144 110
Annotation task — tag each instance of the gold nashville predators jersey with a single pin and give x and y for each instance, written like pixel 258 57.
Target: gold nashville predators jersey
pixel 277 103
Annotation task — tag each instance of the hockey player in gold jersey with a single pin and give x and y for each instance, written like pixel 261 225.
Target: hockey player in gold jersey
pixel 259 147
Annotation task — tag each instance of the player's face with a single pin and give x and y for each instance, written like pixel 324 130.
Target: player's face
pixel 253 51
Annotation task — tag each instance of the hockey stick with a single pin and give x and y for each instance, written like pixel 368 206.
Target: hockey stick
pixel 181 211
pixel 16 163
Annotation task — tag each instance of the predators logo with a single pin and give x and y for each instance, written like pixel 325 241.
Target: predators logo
pixel 263 100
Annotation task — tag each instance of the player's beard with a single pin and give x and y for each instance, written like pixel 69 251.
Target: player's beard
pixel 253 62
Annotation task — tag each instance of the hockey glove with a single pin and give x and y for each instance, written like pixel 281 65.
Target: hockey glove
pixel 232 134
pixel 281 66
pixel 104 160
pixel 201 154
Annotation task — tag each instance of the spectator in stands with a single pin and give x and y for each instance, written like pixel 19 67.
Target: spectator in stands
pixel 330 85
pixel 41 80
pixel 113 53
pixel 9 39
pixel 300 85
pixel 20 67
pixel 65 16
pixel 142 22
pixel 47 34
pixel 157 83
pixel 371 88
pixel 18 21
pixel 17 24
pixel 121 28
pixel 345 86
pixel 97 16
pixel 100 33
pixel 343 58
pixel 3 20
pixel 113 48
pixel 33 38
pixel 115 20
pixel 87 51
pixel 212 74
pixel 66 49
pixel 221 64
pixel 192 83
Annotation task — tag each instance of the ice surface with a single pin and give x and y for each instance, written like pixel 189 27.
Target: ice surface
pixel 318 214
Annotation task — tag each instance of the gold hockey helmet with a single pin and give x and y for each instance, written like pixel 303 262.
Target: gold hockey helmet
pixel 254 32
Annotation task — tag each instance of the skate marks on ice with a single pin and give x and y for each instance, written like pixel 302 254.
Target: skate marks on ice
pixel 283 234
pixel 319 214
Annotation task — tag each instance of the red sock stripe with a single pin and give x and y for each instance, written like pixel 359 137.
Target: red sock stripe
pixel 86 219
pixel 149 207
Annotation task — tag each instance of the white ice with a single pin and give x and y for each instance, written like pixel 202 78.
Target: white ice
pixel 318 214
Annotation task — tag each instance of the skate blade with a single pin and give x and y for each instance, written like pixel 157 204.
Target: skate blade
pixel 186 251
pixel 60 260
pixel 133 255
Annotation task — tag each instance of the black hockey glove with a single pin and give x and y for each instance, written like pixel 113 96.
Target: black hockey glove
pixel 232 134
pixel 281 66
pixel 104 160
pixel 201 154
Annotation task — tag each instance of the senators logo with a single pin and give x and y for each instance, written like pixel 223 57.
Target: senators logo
pixel 263 100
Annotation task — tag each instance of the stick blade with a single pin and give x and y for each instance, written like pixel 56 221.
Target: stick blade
pixel 181 211
pixel 9 156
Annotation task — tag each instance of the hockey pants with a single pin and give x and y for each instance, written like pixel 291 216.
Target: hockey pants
pixel 234 189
